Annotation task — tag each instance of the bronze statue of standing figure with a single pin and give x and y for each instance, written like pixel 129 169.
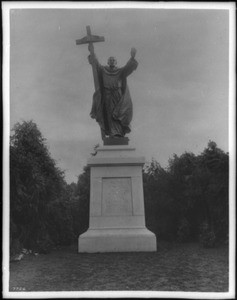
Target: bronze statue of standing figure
pixel 112 105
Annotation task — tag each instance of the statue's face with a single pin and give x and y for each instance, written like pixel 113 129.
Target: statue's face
pixel 112 62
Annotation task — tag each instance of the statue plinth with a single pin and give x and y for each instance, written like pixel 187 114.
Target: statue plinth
pixel 117 218
pixel 116 141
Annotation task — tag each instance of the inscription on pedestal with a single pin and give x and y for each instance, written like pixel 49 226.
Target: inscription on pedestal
pixel 116 196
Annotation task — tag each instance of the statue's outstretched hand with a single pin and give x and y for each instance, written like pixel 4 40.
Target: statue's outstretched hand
pixel 133 52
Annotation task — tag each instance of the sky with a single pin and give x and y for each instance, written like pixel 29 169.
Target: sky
pixel 180 90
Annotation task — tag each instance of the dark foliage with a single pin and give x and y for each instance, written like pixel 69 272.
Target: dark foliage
pixel 39 216
pixel 80 198
pixel 189 199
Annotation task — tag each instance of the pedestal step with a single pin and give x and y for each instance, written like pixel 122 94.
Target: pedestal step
pixel 117 240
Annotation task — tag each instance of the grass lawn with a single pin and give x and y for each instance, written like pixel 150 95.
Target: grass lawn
pixel 174 267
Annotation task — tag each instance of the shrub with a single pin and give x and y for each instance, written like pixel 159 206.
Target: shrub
pixel 183 232
pixel 44 244
pixel 207 236
pixel 15 247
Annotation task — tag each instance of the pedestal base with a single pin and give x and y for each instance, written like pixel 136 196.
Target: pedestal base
pixel 117 240
pixel 117 218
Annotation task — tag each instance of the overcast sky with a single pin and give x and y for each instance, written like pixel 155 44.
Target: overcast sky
pixel 179 90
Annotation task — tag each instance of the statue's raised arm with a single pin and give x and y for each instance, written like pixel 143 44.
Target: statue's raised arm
pixel 92 58
pixel 131 64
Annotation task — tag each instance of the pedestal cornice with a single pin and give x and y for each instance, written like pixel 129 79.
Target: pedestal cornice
pixel 110 161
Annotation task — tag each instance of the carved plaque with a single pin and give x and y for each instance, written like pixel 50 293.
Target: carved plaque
pixel 116 197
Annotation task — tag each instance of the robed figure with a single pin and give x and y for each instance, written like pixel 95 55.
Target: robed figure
pixel 112 105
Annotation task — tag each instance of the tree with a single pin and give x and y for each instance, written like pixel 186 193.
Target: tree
pixel 36 185
pixel 211 183
pixel 181 170
pixel 80 202
pixel 159 204
pixel 190 196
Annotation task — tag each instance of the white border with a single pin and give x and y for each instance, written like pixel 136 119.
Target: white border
pixel 6 150
pixel 118 4
pixel 119 294
pixel 232 150
pixel 6 6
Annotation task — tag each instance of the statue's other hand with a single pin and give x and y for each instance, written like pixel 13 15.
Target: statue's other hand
pixel 133 52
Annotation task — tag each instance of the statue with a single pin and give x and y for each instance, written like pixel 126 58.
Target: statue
pixel 112 104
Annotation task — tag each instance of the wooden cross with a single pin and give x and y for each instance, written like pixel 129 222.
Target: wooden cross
pixel 90 39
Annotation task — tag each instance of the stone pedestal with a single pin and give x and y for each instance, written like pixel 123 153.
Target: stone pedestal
pixel 117 219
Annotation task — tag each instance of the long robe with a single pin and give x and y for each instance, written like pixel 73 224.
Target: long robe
pixel 112 105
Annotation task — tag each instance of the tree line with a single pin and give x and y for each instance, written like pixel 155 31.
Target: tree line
pixel 187 201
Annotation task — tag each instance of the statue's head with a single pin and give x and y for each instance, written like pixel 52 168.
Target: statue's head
pixel 112 62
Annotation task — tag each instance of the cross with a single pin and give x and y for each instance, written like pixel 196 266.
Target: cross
pixel 90 39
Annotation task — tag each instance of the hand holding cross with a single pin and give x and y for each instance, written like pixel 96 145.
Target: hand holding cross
pixel 90 39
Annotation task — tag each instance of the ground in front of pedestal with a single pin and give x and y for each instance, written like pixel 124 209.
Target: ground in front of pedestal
pixel 176 267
